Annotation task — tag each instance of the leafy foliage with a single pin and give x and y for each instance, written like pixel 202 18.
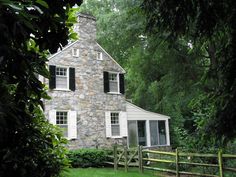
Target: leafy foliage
pixel 176 60
pixel 28 31
pixel 209 24
pixel 88 157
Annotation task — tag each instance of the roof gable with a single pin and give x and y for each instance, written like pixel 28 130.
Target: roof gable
pixel 110 57
pixel 60 51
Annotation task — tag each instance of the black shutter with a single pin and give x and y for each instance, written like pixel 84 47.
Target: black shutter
pixel 72 79
pixel 52 79
pixel 106 81
pixel 122 83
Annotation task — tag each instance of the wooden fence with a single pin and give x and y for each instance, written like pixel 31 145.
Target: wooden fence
pixel 139 157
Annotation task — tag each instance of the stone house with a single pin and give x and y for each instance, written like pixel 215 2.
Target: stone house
pixel 88 97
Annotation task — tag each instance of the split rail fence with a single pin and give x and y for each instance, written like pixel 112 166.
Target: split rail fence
pixel 141 157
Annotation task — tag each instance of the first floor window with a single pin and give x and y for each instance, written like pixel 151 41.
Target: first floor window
pixel 61 77
pixel 62 121
pixel 115 124
pixel 137 132
pixel 158 132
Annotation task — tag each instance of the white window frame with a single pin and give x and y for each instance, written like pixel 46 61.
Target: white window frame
pixel 67 78
pixel 99 56
pixel 115 124
pixel 75 52
pixel 118 82
pixel 67 116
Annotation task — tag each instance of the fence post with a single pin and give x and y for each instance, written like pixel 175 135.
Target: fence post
pixel 126 158
pixel 220 162
pixel 140 158
pixel 115 157
pixel 177 162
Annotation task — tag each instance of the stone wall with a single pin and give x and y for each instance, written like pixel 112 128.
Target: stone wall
pixel 89 99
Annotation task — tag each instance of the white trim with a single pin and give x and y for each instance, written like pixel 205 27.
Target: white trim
pixel 69 45
pixel 110 57
pixel 118 82
pixel 148 133
pixel 167 133
pixel 67 77
pixel 164 116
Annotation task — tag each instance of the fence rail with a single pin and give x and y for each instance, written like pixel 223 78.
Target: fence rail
pixel 138 157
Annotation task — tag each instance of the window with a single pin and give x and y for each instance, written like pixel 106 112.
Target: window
pixel 61 121
pixel 67 120
pixel 75 52
pixel 137 132
pixel 158 132
pixel 115 125
pixel 113 82
pixel 99 56
pixel 61 78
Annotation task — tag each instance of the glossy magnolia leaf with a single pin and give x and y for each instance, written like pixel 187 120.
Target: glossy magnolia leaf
pixel 42 3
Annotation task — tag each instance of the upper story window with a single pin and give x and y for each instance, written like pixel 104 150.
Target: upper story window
pixel 62 78
pixel 113 82
pixel 115 125
pixel 99 56
pixel 75 52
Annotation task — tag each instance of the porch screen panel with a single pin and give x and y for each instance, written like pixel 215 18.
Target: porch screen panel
pixel 132 133
pixel 162 132
pixel 142 133
pixel 153 132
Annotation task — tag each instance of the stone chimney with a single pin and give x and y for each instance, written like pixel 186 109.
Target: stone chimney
pixel 86 27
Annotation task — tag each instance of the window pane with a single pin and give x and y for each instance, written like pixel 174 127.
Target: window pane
pixel 142 133
pixel 61 82
pixel 115 130
pixel 61 121
pixel 113 86
pixel 132 133
pixel 153 132
pixel 64 129
pixel 113 82
pixel 162 132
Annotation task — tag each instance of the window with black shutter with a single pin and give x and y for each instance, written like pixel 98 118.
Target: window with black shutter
pixel 62 78
pixel 113 83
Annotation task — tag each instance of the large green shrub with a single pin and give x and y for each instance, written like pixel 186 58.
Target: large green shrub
pixel 37 150
pixel 88 157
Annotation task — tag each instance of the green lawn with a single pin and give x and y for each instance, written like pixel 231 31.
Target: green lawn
pixel 107 172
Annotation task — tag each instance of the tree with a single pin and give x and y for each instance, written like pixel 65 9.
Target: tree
pixel 29 146
pixel 210 25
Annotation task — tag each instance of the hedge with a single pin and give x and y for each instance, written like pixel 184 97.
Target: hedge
pixel 88 157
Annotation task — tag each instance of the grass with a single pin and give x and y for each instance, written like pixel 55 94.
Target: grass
pixel 107 172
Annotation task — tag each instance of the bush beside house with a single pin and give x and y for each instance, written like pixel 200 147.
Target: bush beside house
pixel 88 157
